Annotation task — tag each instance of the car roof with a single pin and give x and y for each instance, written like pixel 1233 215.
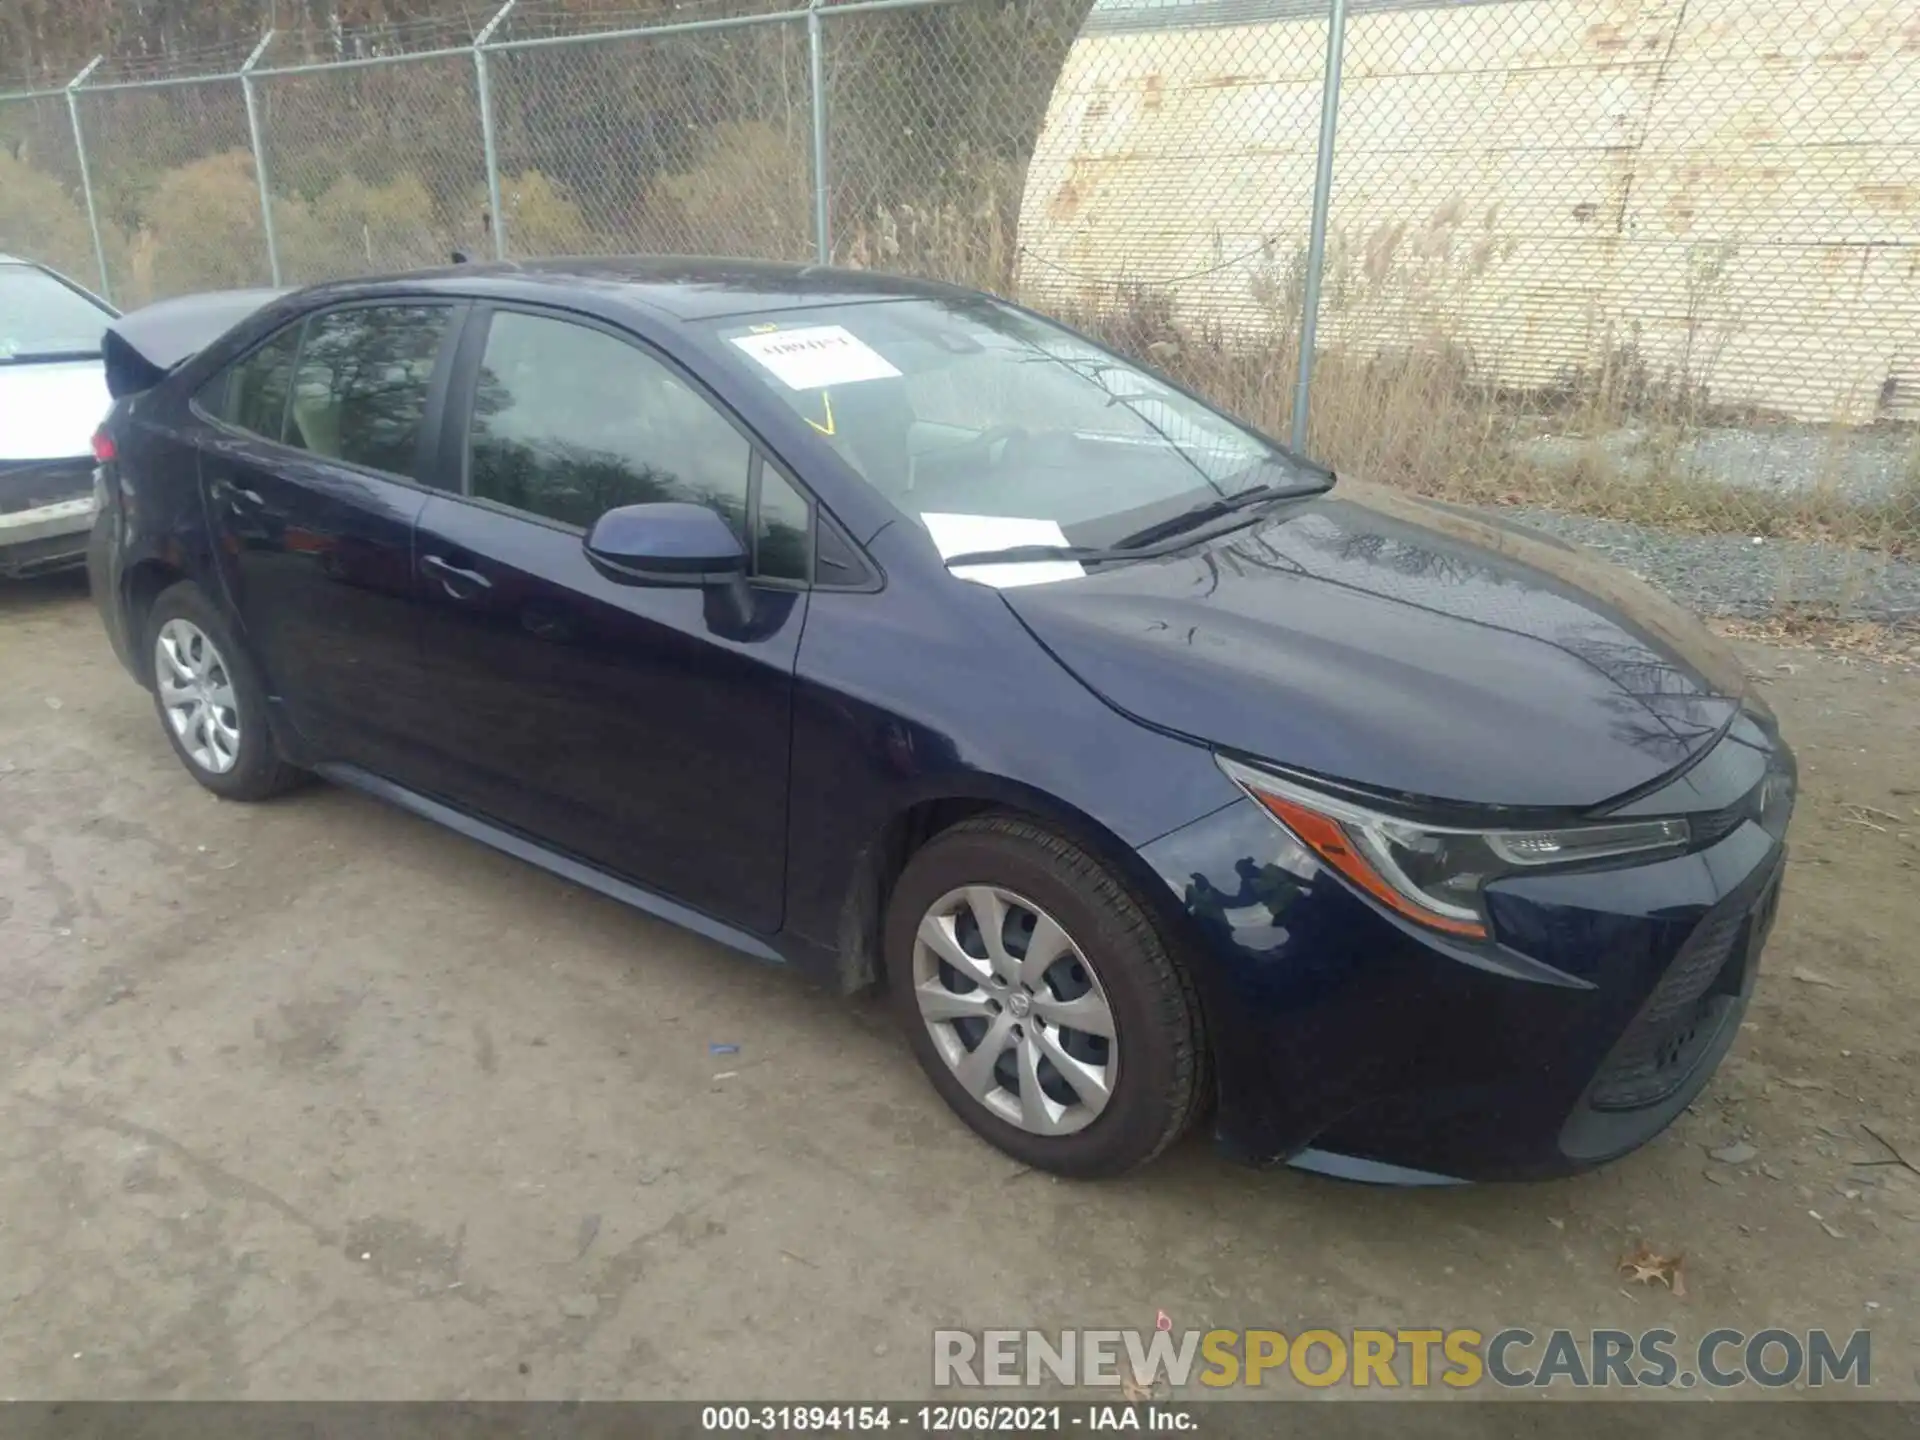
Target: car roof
pixel 682 287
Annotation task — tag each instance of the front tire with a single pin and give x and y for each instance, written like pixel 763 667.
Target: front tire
pixel 211 703
pixel 1041 1000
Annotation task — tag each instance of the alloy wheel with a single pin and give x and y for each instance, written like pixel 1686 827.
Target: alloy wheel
pixel 197 696
pixel 1015 1010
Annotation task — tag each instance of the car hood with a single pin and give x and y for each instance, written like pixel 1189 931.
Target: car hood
pixel 1405 647
pixel 50 409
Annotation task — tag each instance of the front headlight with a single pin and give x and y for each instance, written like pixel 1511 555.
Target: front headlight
pixel 1433 874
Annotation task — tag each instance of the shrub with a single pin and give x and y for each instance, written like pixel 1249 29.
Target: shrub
pixel 542 218
pixel 200 230
pixel 352 228
pixel 748 193
pixel 41 221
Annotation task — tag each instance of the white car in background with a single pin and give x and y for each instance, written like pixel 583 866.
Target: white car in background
pixel 53 396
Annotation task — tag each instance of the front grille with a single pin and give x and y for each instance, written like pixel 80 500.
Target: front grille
pixel 1768 804
pixel 1713 825
pixel 1660 1048
pixel 29 484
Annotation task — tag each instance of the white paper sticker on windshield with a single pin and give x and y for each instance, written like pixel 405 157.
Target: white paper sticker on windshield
pixel 816 356
pixel 965 534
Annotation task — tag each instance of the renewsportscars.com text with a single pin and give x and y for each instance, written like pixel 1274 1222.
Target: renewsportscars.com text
pixel 1456 1358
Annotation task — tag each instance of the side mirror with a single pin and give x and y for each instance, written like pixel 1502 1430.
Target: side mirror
pixel 666 543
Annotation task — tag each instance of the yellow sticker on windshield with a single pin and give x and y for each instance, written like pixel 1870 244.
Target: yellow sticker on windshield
pixel 826 404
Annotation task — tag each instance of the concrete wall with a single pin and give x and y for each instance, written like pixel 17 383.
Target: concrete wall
pixel 1726 190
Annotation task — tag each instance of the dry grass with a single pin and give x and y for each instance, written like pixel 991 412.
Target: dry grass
pixel 1421 417
pixel 747 193
pixel 1821 630
pixel 964 233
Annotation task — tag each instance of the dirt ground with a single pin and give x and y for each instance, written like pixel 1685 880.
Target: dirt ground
pixel 314 1099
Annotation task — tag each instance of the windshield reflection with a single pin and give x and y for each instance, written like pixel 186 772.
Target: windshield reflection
pixel 963 406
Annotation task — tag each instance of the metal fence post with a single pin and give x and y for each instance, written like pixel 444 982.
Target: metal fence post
pixel 496 221
pixel 260 155
pixel 1317 235
pixel 86 178
pixel 817 75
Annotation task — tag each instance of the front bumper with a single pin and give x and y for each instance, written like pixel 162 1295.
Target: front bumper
pixel 46 513
pixel 1353 1042
pixel 48 537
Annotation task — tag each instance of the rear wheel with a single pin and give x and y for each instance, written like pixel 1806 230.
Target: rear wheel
pixel 1041 1000
pixel 210 701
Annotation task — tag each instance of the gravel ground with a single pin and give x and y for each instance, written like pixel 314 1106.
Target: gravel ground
pixel 1732 575
pixel 313 1099
pixel 1866 465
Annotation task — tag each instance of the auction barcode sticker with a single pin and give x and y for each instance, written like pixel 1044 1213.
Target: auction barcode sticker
pixel 816 356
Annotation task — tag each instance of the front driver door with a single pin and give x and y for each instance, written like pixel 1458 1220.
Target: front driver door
pixel 645 730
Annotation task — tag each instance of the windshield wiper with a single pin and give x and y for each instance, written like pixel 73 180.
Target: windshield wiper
pixel 1209 510
pixel 1141 543
pixel 1026 554
pixel 45 357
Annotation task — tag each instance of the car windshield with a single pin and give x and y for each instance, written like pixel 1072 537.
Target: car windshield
pixel 42 318
pixel 1003 428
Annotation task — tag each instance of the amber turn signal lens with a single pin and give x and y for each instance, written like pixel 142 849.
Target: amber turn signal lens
pixel 1327 839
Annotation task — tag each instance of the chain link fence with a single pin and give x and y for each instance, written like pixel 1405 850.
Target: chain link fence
pixel 41 214
pixel 696 141
pixel 373 167
pixel 1646 273
pixel 173 187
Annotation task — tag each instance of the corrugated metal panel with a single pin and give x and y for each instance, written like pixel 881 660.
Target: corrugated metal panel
pixel 1727 189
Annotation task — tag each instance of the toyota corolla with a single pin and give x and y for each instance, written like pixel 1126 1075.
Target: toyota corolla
pixel 889 631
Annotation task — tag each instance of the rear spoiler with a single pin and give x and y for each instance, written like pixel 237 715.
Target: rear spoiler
pixel 141 347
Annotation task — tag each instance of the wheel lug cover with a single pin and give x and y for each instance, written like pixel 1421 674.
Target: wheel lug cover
pixel 1047 1077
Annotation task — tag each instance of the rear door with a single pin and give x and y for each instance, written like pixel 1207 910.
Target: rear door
pixel 645 730
pixel 319 441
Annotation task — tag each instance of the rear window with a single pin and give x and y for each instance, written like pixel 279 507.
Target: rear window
pixel 360 388
pixel 44 318
pixel 252 393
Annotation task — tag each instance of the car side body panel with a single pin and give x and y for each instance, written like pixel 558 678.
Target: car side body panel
pixel 941 695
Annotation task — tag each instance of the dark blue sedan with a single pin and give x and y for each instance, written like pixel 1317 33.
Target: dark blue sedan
pixel 895 633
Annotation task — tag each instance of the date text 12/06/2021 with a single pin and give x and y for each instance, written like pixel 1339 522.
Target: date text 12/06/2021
pixel 949 1419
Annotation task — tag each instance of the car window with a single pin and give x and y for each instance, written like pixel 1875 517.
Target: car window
pixel 570 422
pixel 782 539
pixel 360 389
pixel 252 394
pixel 44 318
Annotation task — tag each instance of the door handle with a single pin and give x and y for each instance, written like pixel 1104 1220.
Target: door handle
pixel 239 499
pixel 457 582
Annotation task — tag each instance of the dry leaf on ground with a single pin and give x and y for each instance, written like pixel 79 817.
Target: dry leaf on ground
pixel 1643 1265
